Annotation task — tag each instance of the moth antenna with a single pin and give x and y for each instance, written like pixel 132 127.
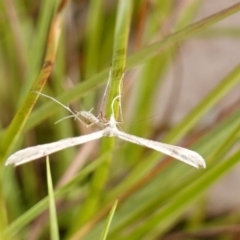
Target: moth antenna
pixel 55 100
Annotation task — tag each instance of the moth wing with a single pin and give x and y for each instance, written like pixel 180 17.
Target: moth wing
pixel 185 155
pixel 35 152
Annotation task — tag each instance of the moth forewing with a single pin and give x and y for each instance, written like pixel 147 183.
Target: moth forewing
pixel 185 155
pixel 35 152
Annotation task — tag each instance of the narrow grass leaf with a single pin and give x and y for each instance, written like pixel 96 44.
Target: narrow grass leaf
pixel 109 220
pixel 136 59
pixel 114 88
pixel 164 218
pixel 39 207
pixel 52 207
pixel 18 122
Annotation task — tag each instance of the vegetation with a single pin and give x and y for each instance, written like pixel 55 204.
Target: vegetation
pixel 108 188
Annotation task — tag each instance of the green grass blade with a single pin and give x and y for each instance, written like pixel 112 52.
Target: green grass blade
pixel 136 59
pixel 228 83
pixel 119 56
pixel 149 205
pixel 126 218
pixel 115 87
pixel 158 47
pixel 47 12
pixel 93 45
pixel 154 192
pixel 38 208
pixel 179 131
pixel 109 220
pixel 14 130
pixel 52 207
pixel 165 216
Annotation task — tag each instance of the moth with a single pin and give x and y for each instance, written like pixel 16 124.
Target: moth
pixel 108 129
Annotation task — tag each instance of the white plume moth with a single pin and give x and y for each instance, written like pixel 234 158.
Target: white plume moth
pixel 109 129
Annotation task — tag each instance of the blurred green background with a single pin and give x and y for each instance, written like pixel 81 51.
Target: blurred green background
pixel 181 86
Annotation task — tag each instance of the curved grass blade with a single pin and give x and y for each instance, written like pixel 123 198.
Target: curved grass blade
pixel 136 59
pixel 18 122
